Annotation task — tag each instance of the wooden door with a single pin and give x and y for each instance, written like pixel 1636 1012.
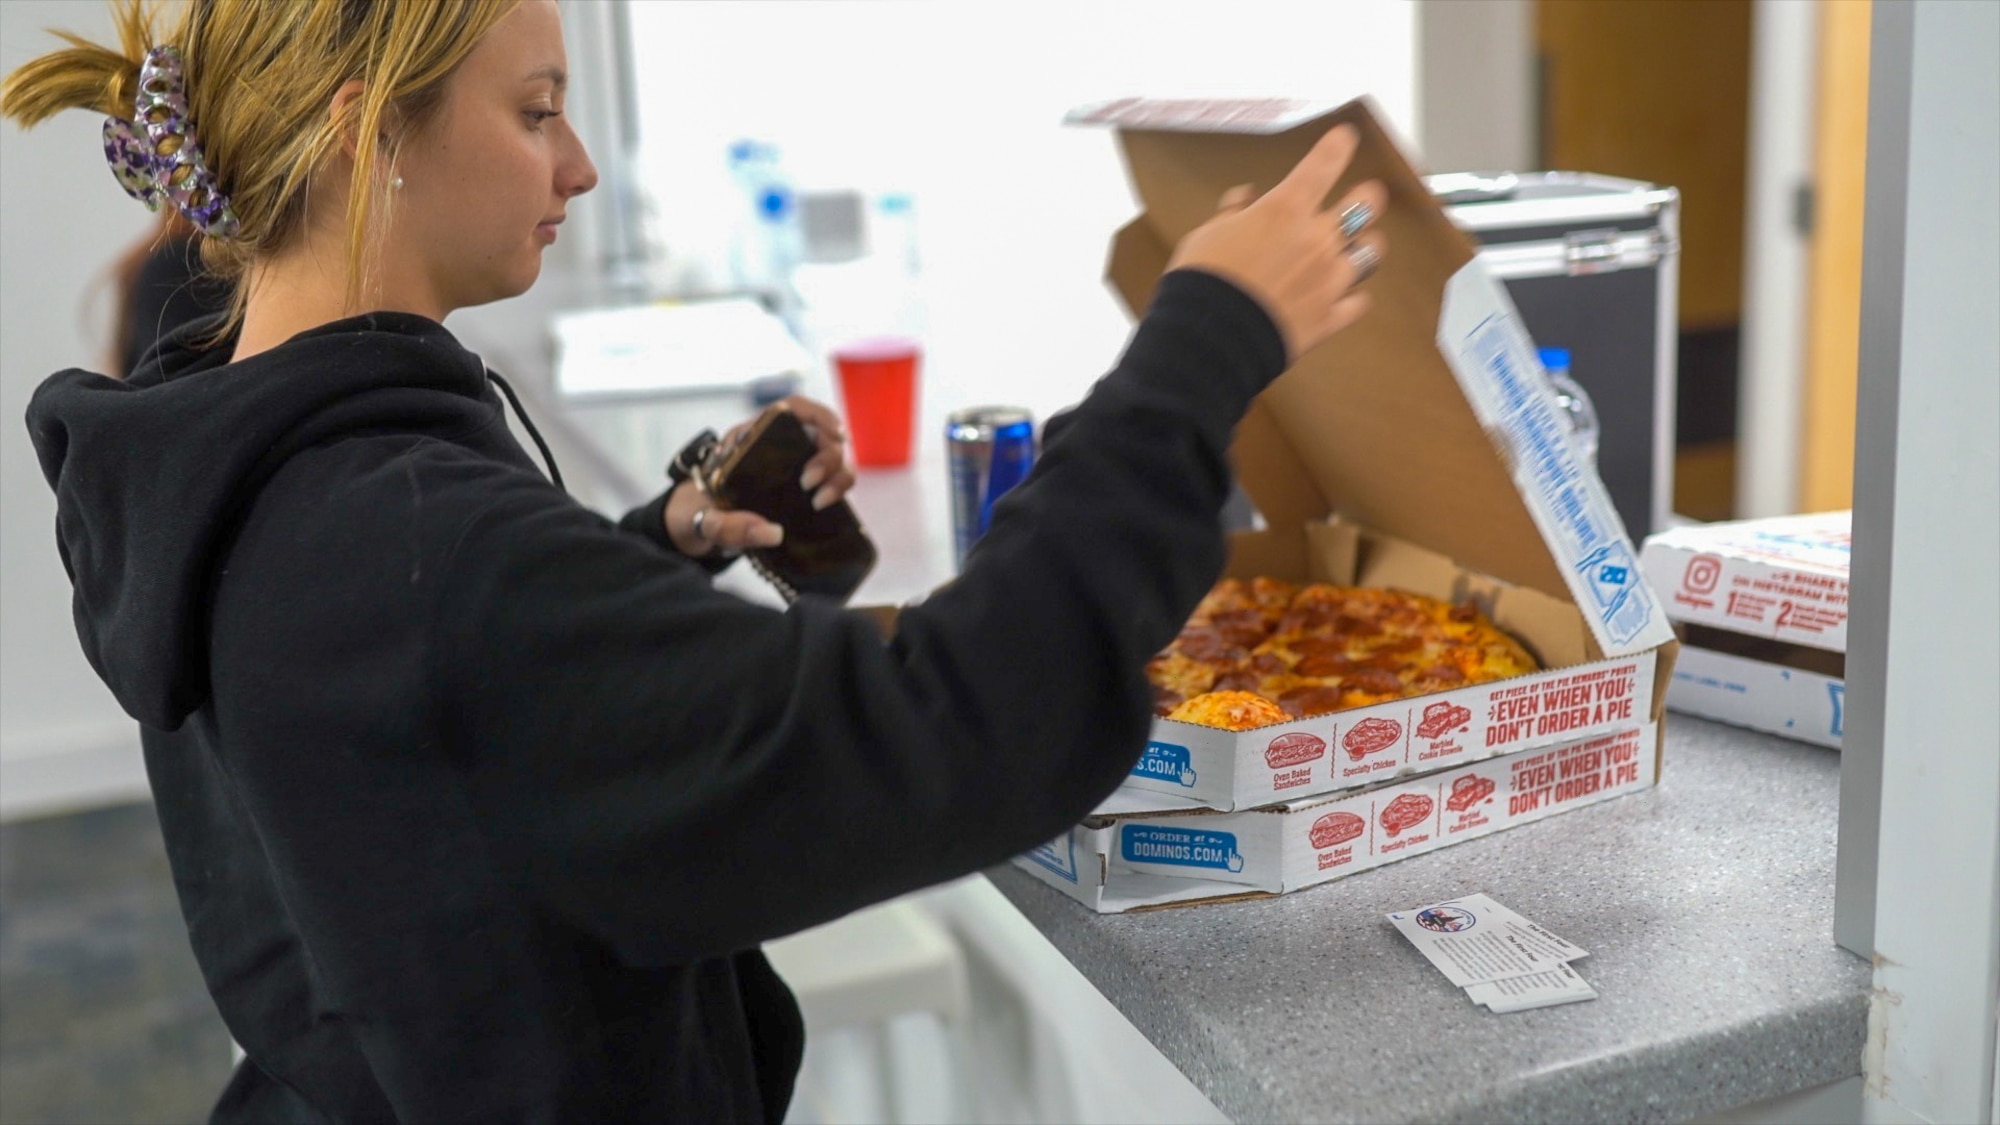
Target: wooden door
pixel 1659 90
pixel 1833 282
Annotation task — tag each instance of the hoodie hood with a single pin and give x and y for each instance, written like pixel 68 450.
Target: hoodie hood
pixel 153 474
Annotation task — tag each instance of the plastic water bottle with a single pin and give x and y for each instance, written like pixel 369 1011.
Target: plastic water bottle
pixel 893 233
pixel 766 246
pixel 1574 402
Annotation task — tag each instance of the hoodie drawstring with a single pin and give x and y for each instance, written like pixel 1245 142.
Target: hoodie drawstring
pixel 549 459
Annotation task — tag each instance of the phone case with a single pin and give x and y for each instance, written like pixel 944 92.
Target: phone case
pixel 825 552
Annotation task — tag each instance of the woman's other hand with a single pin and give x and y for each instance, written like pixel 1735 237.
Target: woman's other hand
pixel 1297 259
pixel 697 527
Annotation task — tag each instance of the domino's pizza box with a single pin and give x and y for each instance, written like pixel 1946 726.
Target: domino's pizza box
pixel 1783 579
pixel 1761 606
pixel 1790 690
pixel 1420 448
pixel 1141 850
pixel 1579 692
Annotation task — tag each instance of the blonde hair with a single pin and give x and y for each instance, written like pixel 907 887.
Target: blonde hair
pixel 261 76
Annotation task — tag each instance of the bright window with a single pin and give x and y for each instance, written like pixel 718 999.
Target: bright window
pixel 960 104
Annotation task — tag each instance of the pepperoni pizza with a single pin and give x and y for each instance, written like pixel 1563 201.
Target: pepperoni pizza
pixel 1309 650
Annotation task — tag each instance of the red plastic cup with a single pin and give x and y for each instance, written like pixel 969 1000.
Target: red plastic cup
pixel 878 384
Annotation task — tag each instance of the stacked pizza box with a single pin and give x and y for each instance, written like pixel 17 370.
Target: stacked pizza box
pixel 1422 451
pixel 1762 608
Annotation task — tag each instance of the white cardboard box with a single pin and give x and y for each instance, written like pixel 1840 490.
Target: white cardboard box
pixel 1140 850
pixel 1795 702
pixel 1364 746
pixel 1763 607
pixel 1784 578
pixel 1427 431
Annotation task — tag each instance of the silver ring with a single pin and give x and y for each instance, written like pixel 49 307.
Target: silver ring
pixel 1356 216
pixel 1365 259
pixel 699 532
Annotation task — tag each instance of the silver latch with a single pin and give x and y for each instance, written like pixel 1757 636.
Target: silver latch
pixel 1593 251
pixel 1609 249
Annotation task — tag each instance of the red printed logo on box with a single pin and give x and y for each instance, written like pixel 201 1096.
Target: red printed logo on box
pixel 1703 572
pixel 1406 811
pixel 1370 736
pixel 1293 749
pixel 1468 791
pixel 1443 717
pixel 1336 828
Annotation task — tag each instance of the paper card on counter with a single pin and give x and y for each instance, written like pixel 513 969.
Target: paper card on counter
pixel 1530 933
pixel 1559 985
pixel 1471 945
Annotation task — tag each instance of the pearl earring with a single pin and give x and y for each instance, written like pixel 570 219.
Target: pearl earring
pixel 396 184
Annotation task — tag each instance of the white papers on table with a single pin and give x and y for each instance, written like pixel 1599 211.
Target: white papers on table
pixel 672 348
pixel 1501 959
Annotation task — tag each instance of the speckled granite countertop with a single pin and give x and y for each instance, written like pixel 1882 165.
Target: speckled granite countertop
pixel 1706 904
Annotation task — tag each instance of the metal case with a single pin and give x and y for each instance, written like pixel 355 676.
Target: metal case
pixel 1593 264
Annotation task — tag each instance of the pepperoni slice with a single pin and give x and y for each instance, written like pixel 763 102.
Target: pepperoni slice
pixel 1441 676
pixel 1356 626
pixel 1242 627
pixel 1237 679
pixel 1199 642
pixel 1268 663
pixel 1397 646
pixel 1316 699
pixel 1374 681
pixel 1326 666
pixel 1319 646
pixel 1307 617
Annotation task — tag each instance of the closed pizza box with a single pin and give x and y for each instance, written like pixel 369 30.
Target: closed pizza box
pixel 1142 850
pixel 1801 694
pixel 1784 579
pixel 1762 607
pixel 1426 434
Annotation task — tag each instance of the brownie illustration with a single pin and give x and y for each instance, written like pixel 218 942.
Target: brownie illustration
pixel 1468 791
pixel 1442 717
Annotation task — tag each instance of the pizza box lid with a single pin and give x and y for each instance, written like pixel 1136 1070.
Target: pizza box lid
pixel 1397 423
pixel 1815 543
pixel 1784 577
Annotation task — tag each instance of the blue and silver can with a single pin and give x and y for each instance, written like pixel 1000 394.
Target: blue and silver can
pixel 991 449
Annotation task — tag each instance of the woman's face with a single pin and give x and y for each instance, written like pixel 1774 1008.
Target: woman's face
pixel 488 178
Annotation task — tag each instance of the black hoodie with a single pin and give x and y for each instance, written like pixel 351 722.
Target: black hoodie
pixel 479 804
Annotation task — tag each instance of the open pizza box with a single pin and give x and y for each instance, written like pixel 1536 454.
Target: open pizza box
pixel 1142 850
pixel 1421 448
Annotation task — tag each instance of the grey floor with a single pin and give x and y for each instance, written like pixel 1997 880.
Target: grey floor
pixel 103 1018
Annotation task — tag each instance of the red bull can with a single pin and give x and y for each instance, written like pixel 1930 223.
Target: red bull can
pixel 990 449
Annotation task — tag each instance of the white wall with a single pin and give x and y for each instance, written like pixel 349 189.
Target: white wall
pixel 961 104
pixel 1783 90
pixel 1924 639
pixel 1476 85
pixel 64 219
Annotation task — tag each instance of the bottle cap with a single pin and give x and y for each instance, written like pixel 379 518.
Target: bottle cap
pixel 1555 359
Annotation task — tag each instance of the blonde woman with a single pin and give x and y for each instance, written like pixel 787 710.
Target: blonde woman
pixel 478 804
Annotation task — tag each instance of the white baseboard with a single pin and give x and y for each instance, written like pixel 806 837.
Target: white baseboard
pixel 70 769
